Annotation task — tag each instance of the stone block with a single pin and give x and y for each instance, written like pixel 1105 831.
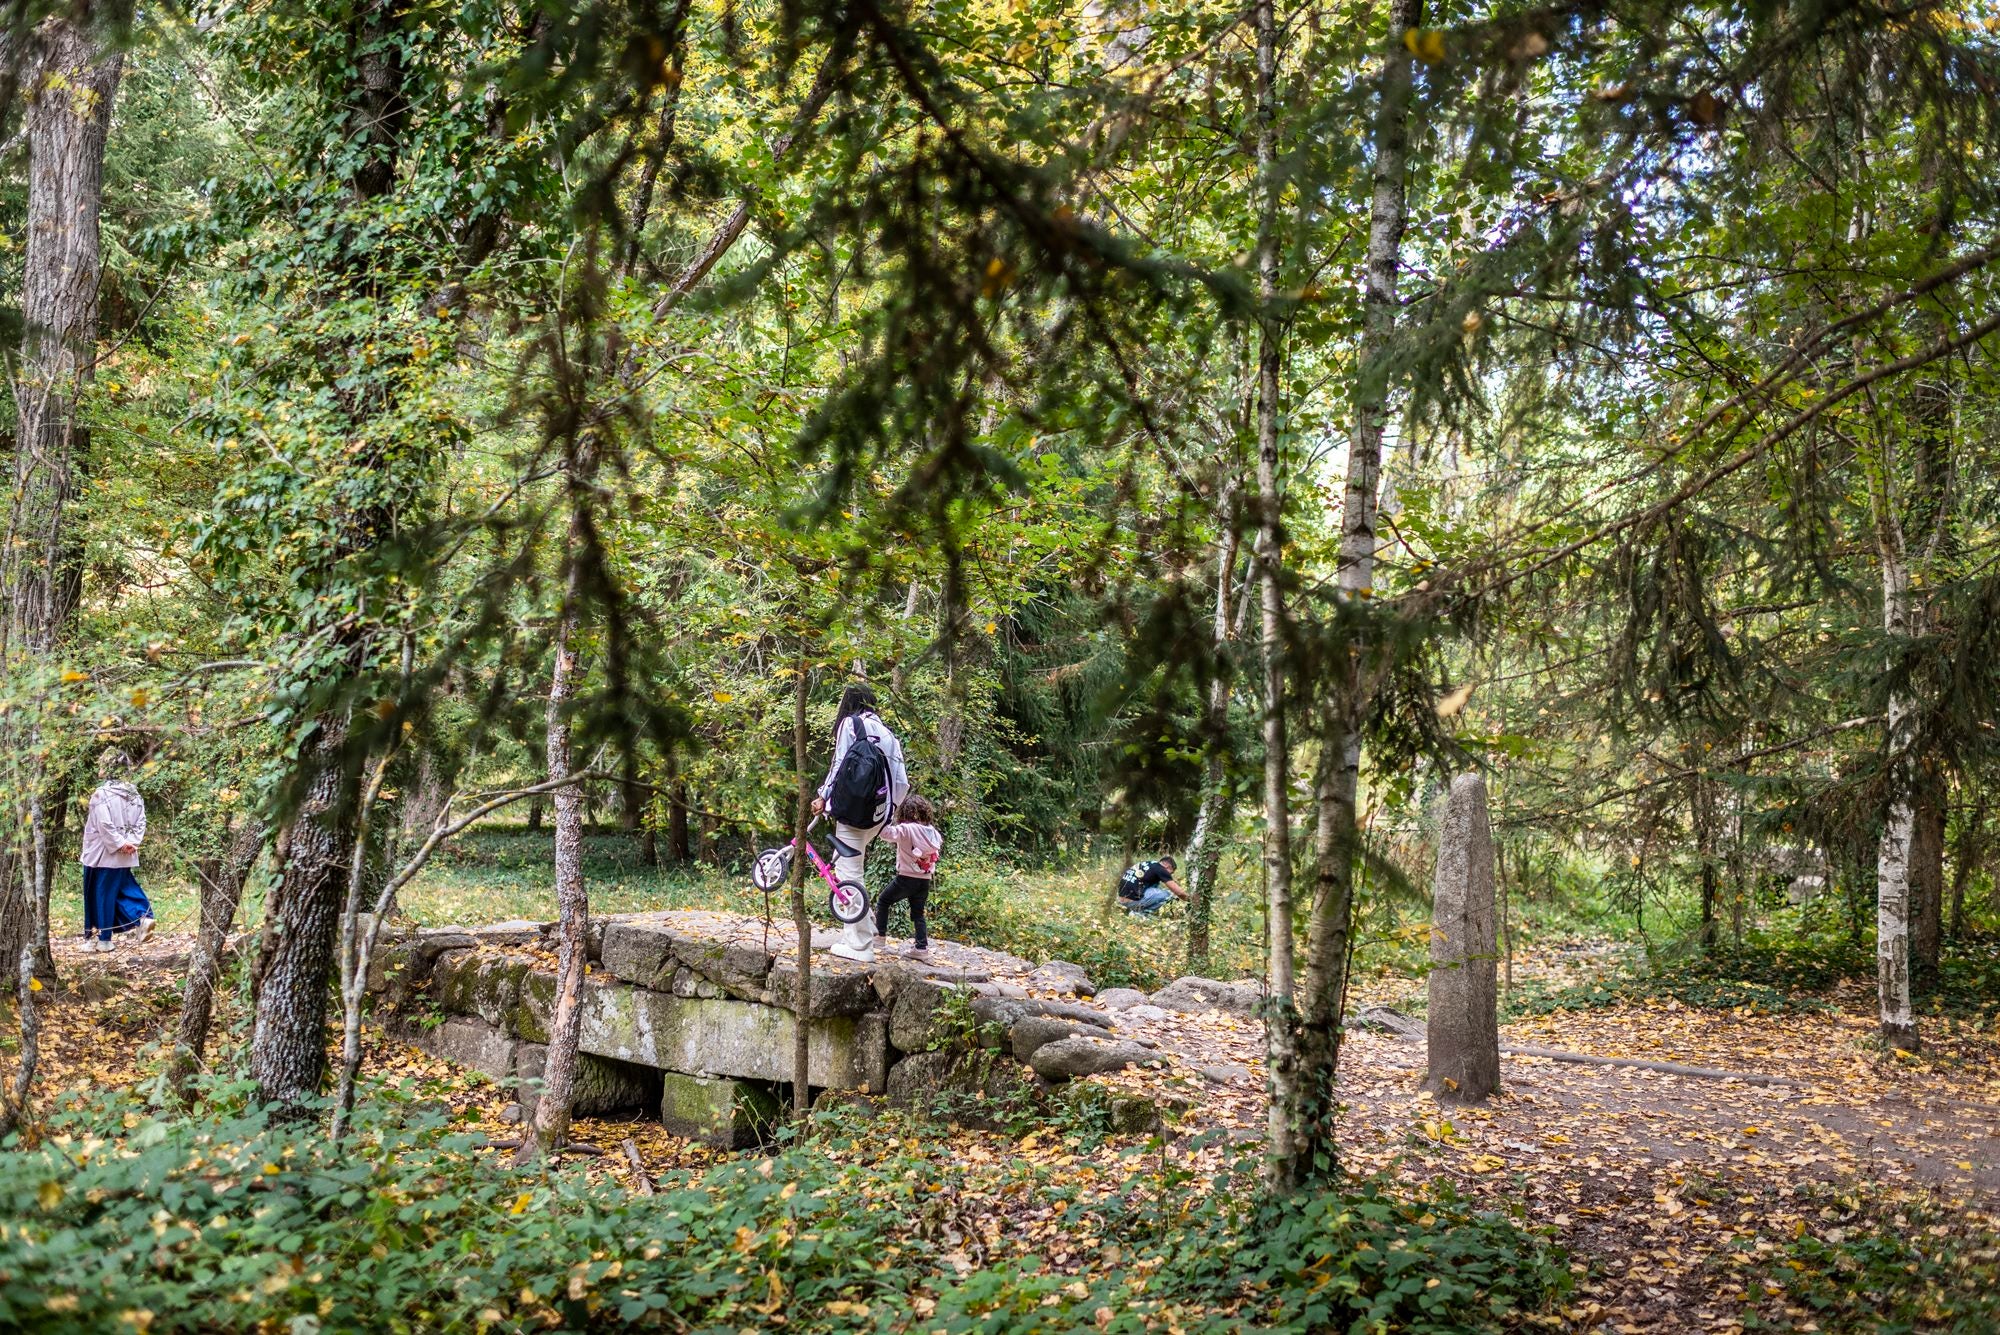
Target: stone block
pixel 834 986
pixel 601 1085
pixel 890 979
pixel 916 1021
pixel 1062 977
pixel 739 969
pixel 728 1114
pixel 1124 1112
pixel 723 1036
pixel 639 953
pixel 1195 995
pixel 469 1043
pixel 971 1089
pixel 1118 998
pixel 534 1008
pixel 489 986
pixel 1031 1032
pixel 1072 1058
pixel 1068 1010
pixel 519 932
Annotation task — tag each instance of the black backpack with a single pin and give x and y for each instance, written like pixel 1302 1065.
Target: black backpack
pixel 861 788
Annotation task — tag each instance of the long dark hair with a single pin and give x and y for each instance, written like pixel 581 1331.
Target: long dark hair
pixel 856 699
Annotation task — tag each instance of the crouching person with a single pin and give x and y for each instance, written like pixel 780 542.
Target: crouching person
pixel 113 902
pixel 1146 886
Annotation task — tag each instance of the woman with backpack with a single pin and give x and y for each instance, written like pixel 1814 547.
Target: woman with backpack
pixel 864 786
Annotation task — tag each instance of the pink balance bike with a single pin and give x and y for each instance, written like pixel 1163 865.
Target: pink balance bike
pixel 848 900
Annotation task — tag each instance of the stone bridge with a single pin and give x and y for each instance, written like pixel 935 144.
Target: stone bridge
pixel 693 1014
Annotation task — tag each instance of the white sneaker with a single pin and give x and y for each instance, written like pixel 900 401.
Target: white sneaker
pixel 89 946
pixel 847 952
pixel 142 931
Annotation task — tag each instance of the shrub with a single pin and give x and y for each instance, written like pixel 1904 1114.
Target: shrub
pixel 224 1222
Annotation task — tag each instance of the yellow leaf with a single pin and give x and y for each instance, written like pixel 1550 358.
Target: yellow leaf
pixel 34 984
pixel 520 1204
pixel 271 1170
pixel 69 678
pixel 49 1195
pixel 723 697
pixel 1454 702
pixel 140 697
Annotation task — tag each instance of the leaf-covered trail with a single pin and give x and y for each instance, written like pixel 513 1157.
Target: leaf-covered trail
pixel 1678 1192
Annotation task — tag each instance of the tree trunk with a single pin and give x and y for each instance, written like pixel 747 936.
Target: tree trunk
pixel 220 880
pixel 1212 823
pixel 677 824
pixel 1281 1013
pixel 1965 858
pixel 288 1039
pixel 69 85
pixel 550 1126
pixel 1337 838
pixel 535 816
pixel 1892 873
pixel 288 1044
pixel 801 920
pixel 1927 882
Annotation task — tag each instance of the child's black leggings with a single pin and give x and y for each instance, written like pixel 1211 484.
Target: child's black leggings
pixel 915 890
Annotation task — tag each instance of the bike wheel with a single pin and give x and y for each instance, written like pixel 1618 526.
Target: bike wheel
pixel 848 901
pixel 768 872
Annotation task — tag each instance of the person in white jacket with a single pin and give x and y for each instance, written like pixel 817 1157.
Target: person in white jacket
pixel 850 842
pixel 113 901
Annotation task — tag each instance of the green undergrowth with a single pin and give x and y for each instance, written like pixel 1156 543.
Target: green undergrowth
pixel 123 1220
pixel 1881 1266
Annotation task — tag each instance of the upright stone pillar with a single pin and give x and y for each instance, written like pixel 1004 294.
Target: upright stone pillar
pixel 1464 1027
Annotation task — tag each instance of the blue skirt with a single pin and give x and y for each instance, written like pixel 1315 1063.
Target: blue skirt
pixel 112 901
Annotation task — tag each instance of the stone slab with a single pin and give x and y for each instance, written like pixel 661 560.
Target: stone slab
pixel 1195 995
pixel 601 1085
pixel 728 1114
pixel 467 982
pixel 724 1037
pixel 834 986
pixel 469 1042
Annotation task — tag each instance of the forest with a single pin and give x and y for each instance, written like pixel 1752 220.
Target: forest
pixel 1486 514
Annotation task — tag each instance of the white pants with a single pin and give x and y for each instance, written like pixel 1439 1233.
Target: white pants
pixel 849 866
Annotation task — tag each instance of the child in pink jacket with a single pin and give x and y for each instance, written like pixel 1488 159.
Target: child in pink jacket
pixel 917 844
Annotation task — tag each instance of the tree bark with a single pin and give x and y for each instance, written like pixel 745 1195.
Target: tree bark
pixel 552 1109
pixel 1281 1013
pixel 1217 807
pixel 220 881
pixel 1892 876
pixel 677 822
pixel 1965 859
pixel 288 1039
pixel 1927 882
pixel 1337 838
pixel 69 87
pixel 288 1045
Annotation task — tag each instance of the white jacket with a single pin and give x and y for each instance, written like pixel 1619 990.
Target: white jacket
pixel 892 751
pixel 117 818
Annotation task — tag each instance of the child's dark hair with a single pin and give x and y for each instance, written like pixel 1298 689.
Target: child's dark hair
pixel 917 808
pixel 1169 863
